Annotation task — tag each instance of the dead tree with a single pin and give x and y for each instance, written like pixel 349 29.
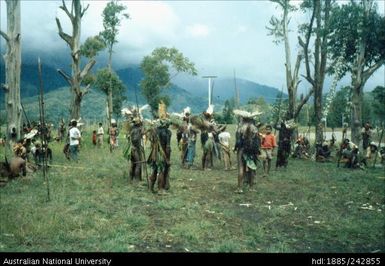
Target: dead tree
pixel 12 59
pixel 78 74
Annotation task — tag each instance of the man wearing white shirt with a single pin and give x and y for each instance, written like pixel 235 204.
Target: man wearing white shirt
pixel 75 136
pixel 100 135
pixel 224 140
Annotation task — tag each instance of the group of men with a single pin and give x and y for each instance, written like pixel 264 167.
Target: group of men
pixel 350 153
pixel 254 143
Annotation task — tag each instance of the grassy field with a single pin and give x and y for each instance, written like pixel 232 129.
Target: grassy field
pixel 309 207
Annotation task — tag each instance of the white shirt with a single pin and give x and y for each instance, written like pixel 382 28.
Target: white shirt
pixel 224 138
pixel 100 131
pixel 74 136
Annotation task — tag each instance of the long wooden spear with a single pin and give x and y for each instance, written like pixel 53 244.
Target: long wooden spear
pixel 144 166
pixel 43 131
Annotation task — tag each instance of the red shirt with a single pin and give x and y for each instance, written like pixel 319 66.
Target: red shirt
pixel 268 142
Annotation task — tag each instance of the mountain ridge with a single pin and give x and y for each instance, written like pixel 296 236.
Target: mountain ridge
pixel 184 91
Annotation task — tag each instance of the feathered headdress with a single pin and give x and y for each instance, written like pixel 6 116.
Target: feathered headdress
pixel 31 134
pixel 290 124
pixel 162 111
pixel 210 109
pixel 246 114
pixel 186 111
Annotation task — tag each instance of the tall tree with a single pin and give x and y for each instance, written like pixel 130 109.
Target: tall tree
pixel 12 59
pixel 78 74
pixel 279 28
pixel 227 112
pixel 112 17
pixel 157 75
pixel 104 80
pixel 319 28
pixel 337 114
pixel 358 26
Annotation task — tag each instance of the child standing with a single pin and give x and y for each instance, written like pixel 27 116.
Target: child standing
pixel 94 137
pixel 268 145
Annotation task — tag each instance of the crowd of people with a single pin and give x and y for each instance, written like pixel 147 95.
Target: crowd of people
pixel 255 144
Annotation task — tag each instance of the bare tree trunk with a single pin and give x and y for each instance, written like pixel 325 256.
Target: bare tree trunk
pixel 360 76
pixel 320 57
pixel 75 106
pixel 12 59
pixel 73 41
pixel 317 77
pixel 109 96
pixel 292 79
pixel 356 115
pixel 76 24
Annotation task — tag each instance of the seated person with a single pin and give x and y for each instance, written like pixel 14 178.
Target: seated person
pixel 350 154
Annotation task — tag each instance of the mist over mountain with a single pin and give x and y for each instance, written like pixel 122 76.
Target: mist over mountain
pixel 184 91
pixel 224 88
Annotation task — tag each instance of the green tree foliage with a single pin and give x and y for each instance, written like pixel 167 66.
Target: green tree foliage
pixel 112 17
pixel 378 103
pixel 260 104
pixel 338 107
pixel 361 29
pixel 347 26
pixel 279 108
pixel 367 110
pixel 104 80
pixel 156 69
pixel 227 112
pixel 92 46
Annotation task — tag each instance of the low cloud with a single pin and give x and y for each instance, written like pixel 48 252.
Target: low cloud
pixel 198 30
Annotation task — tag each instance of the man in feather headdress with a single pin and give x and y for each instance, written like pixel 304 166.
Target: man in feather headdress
pixel 284 142
pixel 182 135
pixel 247 146
pixel 160 154
pixel 134 150
pixel 207 139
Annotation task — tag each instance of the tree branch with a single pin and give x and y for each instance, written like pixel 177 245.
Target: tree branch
pixel 84 10
pixel 305 46
pixel 5 36
pixel 297 65
pixel 65 76
pixel 67 38
pixel 5 87
pixel 367 73
pixel 309 79
pixel 76 55
pixel 302 103
pixel 86 69
pixel 86 90
pixel 7 39
pixel 64 7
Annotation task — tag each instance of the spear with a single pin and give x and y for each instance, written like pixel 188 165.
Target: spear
pixel 26 117
pixel 43 133
pixel 279 110
pixel 142 142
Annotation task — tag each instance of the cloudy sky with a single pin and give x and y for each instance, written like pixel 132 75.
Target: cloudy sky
pixel 218 36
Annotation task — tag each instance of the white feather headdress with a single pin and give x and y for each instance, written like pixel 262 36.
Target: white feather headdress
pixel 210 109
pixel 246 114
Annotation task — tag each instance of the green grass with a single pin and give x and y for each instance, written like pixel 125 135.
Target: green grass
pixel 309 207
